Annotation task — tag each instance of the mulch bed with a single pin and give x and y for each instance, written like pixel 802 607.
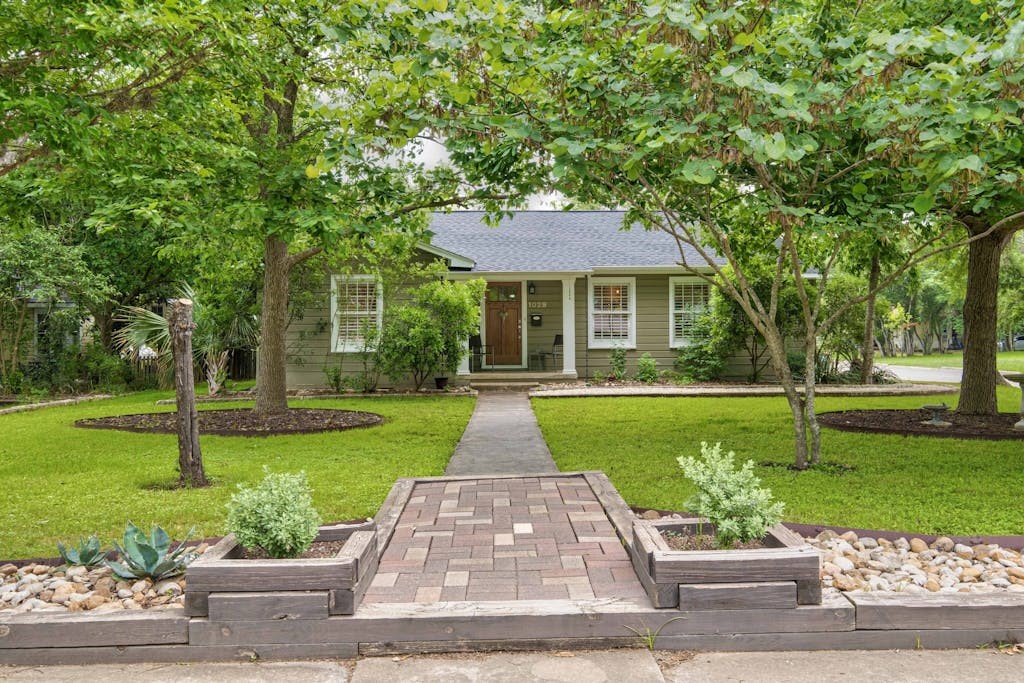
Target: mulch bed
pixel 678 541
pixel 244 422
pixel 319 550
pixel 910 423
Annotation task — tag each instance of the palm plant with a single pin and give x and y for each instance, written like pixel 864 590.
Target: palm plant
pixel 216 332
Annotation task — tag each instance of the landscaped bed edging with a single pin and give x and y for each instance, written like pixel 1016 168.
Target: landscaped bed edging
pixel 228 588
pixel 248 625
pixel 782 575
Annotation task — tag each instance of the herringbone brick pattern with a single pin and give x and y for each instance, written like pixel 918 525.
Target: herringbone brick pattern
pixel 530 538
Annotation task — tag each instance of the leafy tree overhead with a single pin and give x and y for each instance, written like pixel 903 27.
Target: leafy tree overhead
pixel 67 66
pixel 308 137
pixel 771 134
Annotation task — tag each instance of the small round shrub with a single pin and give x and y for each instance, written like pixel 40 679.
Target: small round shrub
pixel 278 515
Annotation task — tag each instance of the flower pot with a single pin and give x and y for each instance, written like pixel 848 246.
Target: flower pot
pixel 440 382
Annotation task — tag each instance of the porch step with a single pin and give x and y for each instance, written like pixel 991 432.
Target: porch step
pixel 503 385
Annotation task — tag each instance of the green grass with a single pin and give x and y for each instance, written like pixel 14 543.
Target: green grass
pixel 917 484
pixel 60 482
pixel 1010 361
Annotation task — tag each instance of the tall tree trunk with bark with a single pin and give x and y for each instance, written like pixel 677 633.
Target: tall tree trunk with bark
pixel 271 387
pixel 978 386
pixel 867 349
pixel 190 457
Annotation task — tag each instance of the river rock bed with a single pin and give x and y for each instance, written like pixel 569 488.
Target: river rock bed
pixel 41 588
pixel 852 563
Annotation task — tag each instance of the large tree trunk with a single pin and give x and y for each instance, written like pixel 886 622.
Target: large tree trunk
pixel 271 388
pixel 978 386
pixel 867 349
pixel 190 458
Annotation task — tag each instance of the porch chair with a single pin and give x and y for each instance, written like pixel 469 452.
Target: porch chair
pixel 478 353
pixel 557 348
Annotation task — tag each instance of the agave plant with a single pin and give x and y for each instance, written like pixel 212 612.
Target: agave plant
pixel 147 557
pixel 89 553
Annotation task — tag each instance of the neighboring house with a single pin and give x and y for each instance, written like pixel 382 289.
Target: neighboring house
pixel 564 289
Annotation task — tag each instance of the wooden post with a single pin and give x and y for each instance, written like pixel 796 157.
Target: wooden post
pixel 190 458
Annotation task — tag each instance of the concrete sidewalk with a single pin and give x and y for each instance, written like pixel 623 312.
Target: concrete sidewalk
pixel 502 437
pixel 596 666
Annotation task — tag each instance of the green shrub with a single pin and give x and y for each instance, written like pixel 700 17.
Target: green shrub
pixel 98 369
pixel 278 515
pixel 429 337
pixel 732 499
pixel 149 557
pixel 704 358
pixel 617 361
pixel 336 380
pixel 647 369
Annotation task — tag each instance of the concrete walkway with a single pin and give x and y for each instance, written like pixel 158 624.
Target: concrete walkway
pixel 502 437
pixel 595 666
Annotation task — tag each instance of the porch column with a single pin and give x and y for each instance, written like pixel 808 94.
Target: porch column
pixel 464 370
pixel 569 327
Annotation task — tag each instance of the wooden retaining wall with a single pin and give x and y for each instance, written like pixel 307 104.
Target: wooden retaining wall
pixel 301 615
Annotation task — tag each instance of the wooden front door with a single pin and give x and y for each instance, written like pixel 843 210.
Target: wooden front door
pixel 504 322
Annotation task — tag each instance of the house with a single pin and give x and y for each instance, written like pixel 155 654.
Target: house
pixel 564 288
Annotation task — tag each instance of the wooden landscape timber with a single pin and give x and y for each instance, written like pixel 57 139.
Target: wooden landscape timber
pixel 237 589
pixel 724 579
pixel 310 609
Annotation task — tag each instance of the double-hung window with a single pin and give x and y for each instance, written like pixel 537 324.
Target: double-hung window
pixel 611 306
pixel 688 301
pixel 357 309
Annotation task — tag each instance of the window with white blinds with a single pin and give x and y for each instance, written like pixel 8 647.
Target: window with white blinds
pixel 688 301
pixel 356 306
pixel 612 312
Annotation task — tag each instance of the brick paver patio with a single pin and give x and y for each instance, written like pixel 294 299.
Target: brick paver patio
pixel 529 538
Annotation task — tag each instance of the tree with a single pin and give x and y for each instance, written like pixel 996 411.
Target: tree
pixel 67 66
pixel 770 135
pixel 306 139
pixel 36 265
pixel 970 113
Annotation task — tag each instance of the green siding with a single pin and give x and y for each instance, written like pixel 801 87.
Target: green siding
pixel 309 337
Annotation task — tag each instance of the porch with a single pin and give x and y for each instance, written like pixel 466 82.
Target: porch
pixel 527 330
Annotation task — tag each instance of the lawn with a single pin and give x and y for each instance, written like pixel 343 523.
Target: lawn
pixel 1010 361
pixel 916 484
pixel 61 482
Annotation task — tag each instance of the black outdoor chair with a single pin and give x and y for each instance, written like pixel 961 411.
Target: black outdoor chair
pixel 479 353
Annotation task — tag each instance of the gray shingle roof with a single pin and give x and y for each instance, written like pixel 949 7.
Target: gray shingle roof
pixel 555 241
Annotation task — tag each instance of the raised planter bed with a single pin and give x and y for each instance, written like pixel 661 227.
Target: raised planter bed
pixel 225 587
pixel 782 575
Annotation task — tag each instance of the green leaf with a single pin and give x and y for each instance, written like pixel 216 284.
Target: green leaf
pixel 743 78
pixel 775 147
pixel 923 203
